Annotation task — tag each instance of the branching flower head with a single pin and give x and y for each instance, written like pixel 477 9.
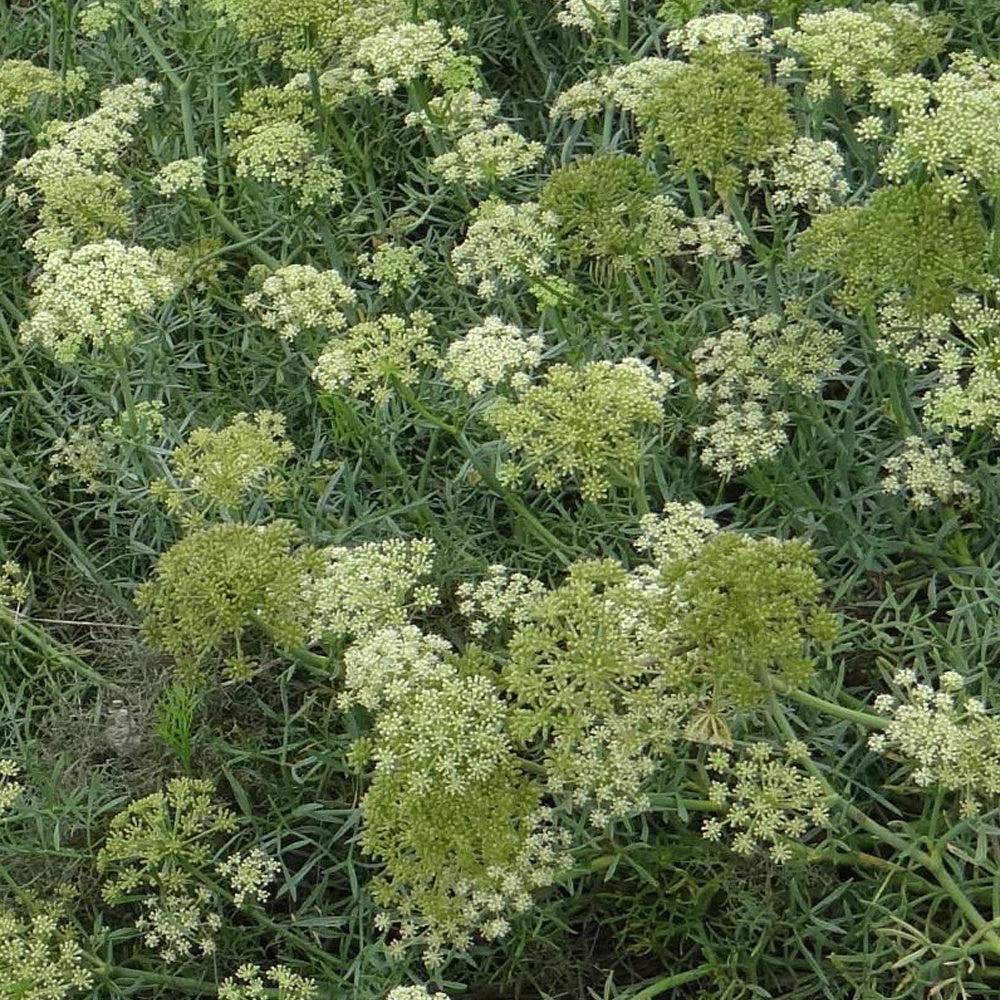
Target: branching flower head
pixel 222 468
pixel 768 801
pixel 947 736
pixel 582 422
pixel 247 983
pixel 92 298
pixel 370 357
pixel 155 849
pixel 505 244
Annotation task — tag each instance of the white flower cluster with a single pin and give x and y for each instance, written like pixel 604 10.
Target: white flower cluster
pixel 928 474
pixel 180 175
pixel 677 532
pixel 372 356
pixel 718 236
pixel 590 16
pixel 180 924
pixel 248 984
pixel 766 800
pixel 500 598
pixel 487 155
pixel 386 664
pixel 414 993
pixel 720 33
pixel 370 586
pixel 249 874
pixel 914 339
pixel 853 47
pixel 490 354
pixel 10 788
pixel 398 54
pixel 284 153
pixel 92 297
pixel 948 124
pixel 393 266
pixel 950 738
pixel 455 112
pixel 742 372
pixel 505 244
pixel 298 297
pixel 809 173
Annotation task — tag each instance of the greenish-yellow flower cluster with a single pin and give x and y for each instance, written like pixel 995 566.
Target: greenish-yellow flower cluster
pixel 393 266
pixel 247 983
pixel 582 423
pixel 222 584
pixel 40 959
pixel 224 468
pixel 70 178
pixel 22 83
pixel 156 848
pixel 369 358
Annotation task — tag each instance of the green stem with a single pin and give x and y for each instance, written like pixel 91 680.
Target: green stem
pixel 678 979
pixel 931 862
pixel 867 719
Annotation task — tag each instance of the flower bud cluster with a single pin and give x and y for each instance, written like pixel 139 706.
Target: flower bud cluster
pixel 298 297
pixel 220 582
pixel 582 423
pixel 949 737
pixel 372 356
pixel 720 34
pixel 489 355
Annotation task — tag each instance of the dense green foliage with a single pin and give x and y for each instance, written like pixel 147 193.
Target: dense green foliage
pixel 497 499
